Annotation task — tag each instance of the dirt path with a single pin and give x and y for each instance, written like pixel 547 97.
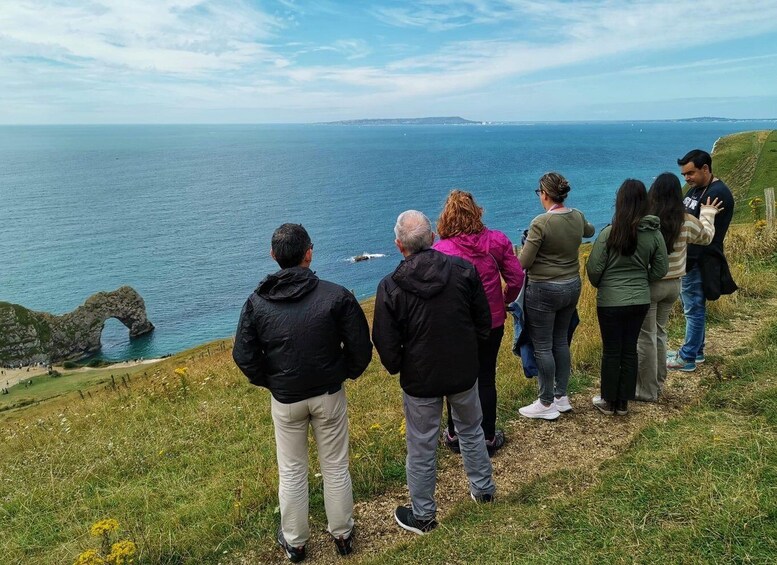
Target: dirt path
pixel 582 439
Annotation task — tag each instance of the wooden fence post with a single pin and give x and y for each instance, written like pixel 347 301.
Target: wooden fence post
pixel 769 200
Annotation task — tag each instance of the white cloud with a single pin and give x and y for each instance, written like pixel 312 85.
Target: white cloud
pixel 221 53
pixel 169 36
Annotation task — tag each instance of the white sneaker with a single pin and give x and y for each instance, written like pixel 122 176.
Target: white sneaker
pixel 538 410
pixel 562 404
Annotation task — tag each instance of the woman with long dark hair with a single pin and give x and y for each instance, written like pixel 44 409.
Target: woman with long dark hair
pixel 678 228
pixel 462 233
pixel 626 257
pixel 550 256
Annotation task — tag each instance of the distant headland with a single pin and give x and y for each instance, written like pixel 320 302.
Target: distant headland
pixel 435 121
pixel 459 121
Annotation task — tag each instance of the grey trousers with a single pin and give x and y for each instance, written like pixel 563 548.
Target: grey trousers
pixel 651 345
pixel 328 417
pixel 422 418
pixel 549 310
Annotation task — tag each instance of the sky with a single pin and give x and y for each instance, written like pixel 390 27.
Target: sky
pixel 297 61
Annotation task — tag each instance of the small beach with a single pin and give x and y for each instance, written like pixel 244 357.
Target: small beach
pixel 11 377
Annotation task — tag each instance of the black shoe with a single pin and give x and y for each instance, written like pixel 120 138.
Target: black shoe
pixel 404 517
pixel 622 407
pixel 482 498
pixel 344 544
pixel 451 442
pixel 604 406
pixel 295 554
pixel 495 444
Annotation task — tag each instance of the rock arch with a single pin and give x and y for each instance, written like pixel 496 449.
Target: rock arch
pixel 34 337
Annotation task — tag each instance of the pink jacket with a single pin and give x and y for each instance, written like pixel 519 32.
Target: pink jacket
pixel 492 254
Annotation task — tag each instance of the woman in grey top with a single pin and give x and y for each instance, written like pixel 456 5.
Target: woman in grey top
pixel 550 258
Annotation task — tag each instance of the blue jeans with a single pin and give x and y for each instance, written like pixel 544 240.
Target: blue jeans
pixel 549 308
pixel 695 309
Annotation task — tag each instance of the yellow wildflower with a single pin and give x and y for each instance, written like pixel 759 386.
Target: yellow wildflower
pixel 89 557
pixel 375 426
pixel 122 553
pixel 103 527
pixel 181 371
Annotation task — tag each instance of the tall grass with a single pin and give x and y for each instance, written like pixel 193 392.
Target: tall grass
pixel 699 488
pixel 185 461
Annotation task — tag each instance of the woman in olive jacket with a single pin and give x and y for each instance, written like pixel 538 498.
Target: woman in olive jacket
pixel 626 257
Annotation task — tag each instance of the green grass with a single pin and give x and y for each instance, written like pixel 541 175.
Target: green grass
pixel 45 388
pixel 187 464
pixel 699 489
pixel 747 163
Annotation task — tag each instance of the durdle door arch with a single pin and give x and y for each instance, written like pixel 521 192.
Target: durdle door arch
pixel 29 337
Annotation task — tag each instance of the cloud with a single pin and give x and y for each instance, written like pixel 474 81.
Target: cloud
pixel 168 36
pixel 228 53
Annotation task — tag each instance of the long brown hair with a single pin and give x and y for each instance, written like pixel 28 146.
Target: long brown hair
pixel 460 215
pixel 630 205
pixel 665 200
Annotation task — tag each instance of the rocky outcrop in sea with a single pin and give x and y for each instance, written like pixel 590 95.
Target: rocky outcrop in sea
pixel 29 337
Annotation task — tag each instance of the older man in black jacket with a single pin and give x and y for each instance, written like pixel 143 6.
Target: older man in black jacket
pixel 301 337
pixel 429 315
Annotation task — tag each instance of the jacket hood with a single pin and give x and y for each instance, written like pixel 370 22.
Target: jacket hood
pixel 474 244
pixel 649 223
pixel 288 284
pixel 424 274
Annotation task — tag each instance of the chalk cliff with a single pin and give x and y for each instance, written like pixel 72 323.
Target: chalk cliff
pixel 27 336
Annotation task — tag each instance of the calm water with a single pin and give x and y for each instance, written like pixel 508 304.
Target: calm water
pixel 184 214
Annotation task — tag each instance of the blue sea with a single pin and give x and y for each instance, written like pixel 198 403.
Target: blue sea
pixel 184 214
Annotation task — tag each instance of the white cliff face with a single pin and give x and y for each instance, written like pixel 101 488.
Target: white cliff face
pixel 27 336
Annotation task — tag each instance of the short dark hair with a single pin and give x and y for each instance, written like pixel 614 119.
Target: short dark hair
pixel 698 157
pixel 290 242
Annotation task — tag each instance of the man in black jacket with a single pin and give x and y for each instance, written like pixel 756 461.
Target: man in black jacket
pixel 429 315
pixel 703 185
pixel 301 337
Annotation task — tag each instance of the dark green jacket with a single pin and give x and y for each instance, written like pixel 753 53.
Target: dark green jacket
pixel 625 280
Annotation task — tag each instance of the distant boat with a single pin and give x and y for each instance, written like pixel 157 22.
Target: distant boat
pixel 358 258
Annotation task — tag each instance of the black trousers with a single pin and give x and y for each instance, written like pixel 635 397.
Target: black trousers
pixel 487 354
pixel 619 326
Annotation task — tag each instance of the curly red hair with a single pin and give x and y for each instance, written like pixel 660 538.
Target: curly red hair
pixel 460 215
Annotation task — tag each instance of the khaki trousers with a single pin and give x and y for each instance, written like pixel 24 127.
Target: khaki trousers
pixel 328 417
pixel 651 346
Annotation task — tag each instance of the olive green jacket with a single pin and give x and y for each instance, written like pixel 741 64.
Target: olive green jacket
pixel 625 280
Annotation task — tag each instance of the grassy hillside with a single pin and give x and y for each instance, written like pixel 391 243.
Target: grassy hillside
pixel 182 455
pixel 747 163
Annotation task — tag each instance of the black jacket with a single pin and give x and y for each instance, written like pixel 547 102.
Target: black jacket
pixel 694 198
pixel 300 336
pixel 429 315
pixel 716 277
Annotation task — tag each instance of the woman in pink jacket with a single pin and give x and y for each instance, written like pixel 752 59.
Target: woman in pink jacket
pixel 463 234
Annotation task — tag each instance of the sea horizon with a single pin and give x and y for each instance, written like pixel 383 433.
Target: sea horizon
pixel 184 213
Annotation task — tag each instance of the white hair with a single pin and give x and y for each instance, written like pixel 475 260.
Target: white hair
pixel 414 231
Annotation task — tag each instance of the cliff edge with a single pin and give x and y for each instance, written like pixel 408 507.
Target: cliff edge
pixel 29 337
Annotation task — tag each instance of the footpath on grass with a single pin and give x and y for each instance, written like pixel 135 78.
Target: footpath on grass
pixel 579 441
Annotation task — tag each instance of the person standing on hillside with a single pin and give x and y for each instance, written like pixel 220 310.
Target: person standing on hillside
pixel 703 261
pixel 430 314
pixel 627 256
pixel 463 234
pixel 301 337
pixel 550 256
pixel 679 229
